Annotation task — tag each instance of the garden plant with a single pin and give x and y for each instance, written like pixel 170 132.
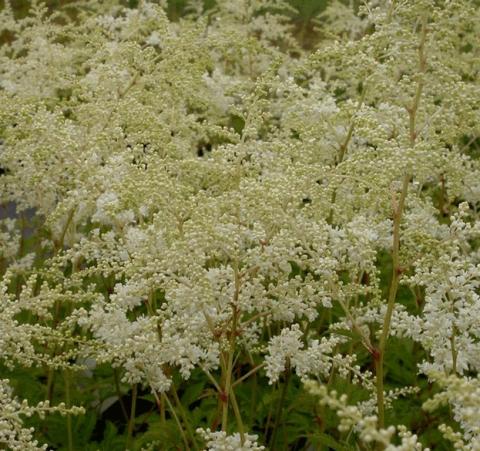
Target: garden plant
pixel 225 229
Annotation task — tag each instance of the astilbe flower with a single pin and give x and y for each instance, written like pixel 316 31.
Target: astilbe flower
pixel 201 185
pixel 13 434
pixel 462 393
pixel 351 417
pixel 220 441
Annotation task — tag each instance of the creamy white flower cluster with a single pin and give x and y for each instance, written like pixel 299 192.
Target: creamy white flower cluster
pixel 448 328
pixel 463 394
pixel 220 441
pixel 351 417
pixel 203 195
pixel 13 435
pixel 286 351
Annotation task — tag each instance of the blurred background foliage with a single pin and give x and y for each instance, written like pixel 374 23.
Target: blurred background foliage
pixel 303 20
pixel 307 10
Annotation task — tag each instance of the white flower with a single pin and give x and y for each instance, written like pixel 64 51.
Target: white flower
pixel 220 441
pixel 154 39
pixel 105 203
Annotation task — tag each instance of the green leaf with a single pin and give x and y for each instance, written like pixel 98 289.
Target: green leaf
pixel 320 438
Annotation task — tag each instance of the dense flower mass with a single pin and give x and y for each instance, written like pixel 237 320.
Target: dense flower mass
pixel 237 237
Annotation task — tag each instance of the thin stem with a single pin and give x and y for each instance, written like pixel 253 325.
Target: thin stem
pixel 469 143
pixel 161 407
pixel 59 245
pixel 50 382
pixel 183 415
pixel 253 400
pixel 343 150
pixel 443 196
pixel 131 422
pixel 119 394
pixel 254 318
pixel 68 404
pixel 247 375
pixel 453 347
pixel 238 415
pixel 344 146
pixel 174 414
pixel 355 327
pixel 278 414
pixel 21 251
pixel 390 10
pixel 454 352
pixel 379 353
pixel 212 380
pixel 229 367
pixel 379 388
pixel 269 419
pixel 422 67
pixel 228 380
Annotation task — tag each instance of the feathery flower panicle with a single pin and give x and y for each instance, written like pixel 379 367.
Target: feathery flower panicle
pixel 214 212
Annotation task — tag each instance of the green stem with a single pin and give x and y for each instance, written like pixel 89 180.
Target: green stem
pixel 131 423
pixel 212 380
pixel 238 415
pixel 68 404
pixel 229 367
pixel 278 414
pixel 177 420
pixel 119 394
pixel 60 242
pixel 422 67
pixel 390 10
pixel 183 415
pixel 247 375
pixel 343 150
pixel 228 379
pixel 50 380
pixel 269 419
pixel 163 416
pixel 379 353
pixel 253 400
pixel 454 350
